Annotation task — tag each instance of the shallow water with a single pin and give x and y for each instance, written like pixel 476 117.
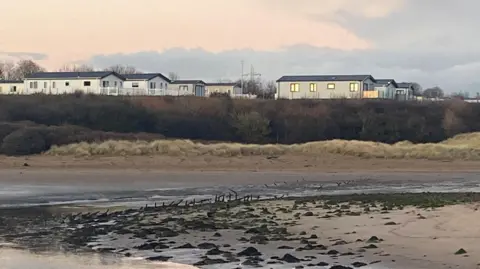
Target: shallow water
pixel 19 259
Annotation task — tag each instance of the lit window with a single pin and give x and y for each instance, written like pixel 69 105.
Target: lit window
pixel 354 87
pixel 313 87
pixel 294 87
pixel 331 86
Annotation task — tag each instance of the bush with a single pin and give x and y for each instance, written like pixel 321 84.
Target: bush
pixel 25 141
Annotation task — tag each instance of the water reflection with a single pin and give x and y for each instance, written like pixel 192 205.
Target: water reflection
pixel 20 259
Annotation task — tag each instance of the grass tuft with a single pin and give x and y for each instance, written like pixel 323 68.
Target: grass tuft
pixel 460 147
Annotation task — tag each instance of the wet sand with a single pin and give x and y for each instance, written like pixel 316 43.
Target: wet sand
pixel 289 163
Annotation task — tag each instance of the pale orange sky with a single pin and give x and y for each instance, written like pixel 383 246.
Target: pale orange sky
pixel 75 30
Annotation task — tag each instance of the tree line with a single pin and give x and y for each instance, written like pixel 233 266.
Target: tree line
pixel 78 117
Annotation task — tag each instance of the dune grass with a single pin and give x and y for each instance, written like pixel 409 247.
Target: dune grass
pixel 460 147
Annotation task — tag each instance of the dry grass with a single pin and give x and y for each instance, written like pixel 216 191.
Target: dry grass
pixel 461 147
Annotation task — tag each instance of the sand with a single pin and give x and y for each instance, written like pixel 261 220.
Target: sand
pixel 421 238
pixel 325 163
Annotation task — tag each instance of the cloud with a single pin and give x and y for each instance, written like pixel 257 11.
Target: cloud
pixel 23 55
pixel 429 69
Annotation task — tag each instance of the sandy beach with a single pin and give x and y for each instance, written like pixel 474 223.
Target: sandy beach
pixel 288 163
pixel 370 231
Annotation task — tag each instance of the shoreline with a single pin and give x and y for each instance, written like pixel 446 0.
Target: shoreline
pixel 388 231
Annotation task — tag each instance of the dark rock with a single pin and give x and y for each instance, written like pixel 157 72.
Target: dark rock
pixel 214 251
pixel 206 245
pixel 290 258
pixel 340 242
pixel 347 254
pixel 165 232
pixel 258 239
pixel 159 258
pixel 461 252
pixel 299 267
pixel 187 245
pixel 322 264
pixel 208 261
pixel 373 239
pixel 250 251
pixel 391 223
pixel 313 236
pixel 149 246
pixel 333 252
pixel 302 233
pixel 285 247
pixel 340 267
pixel 371 246
pixel 308 214
pixel 217 235
pixel 251 263
pixel 226 245
pixel 359 264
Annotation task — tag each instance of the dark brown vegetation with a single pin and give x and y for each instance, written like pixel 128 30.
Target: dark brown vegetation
pixel 97 118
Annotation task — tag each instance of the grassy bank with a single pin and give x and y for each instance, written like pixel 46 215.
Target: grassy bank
pixel 461 147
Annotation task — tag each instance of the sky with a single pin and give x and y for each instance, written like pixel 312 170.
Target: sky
pixel 432 42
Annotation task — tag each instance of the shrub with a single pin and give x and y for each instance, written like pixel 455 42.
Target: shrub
pixel 25 141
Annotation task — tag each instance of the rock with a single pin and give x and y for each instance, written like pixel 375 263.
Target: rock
pixel 333 252
pixel 313 236
pixel 299 267
pixel 347 254
pixel 308 214
pixel 371 246
pixel 217 235
pixel 340 242
pixel 359 264
pixel 250 251
pixel 214 251
pixel 226 245
pixel 461 252
pixel 206 245
pixel 285 247
pixel 187 245
pixel 290 258
pixel 149 246
pixel 340 267
pixel 373 239
pixel 165 232
pixel 208 261
pixel 258 239
pixel 159 258
pixel 302 233
pixel 251 263
pixel 391 223
pixel 322 264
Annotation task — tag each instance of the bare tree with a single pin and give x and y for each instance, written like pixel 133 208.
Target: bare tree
pixel 25 68
pixel 173 76
pixel 123 69
pixel 7 70
pixel 435 92
pixel 269 90
pixel 76 68
pixel 417 88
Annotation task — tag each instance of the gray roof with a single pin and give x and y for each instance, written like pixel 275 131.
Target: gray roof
pixel 72 75
pixel 192 81
pixel 325 78
pixel 404 85
pixel 386 81
pixel 147 76
pixel 222 84
pixel 10 81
